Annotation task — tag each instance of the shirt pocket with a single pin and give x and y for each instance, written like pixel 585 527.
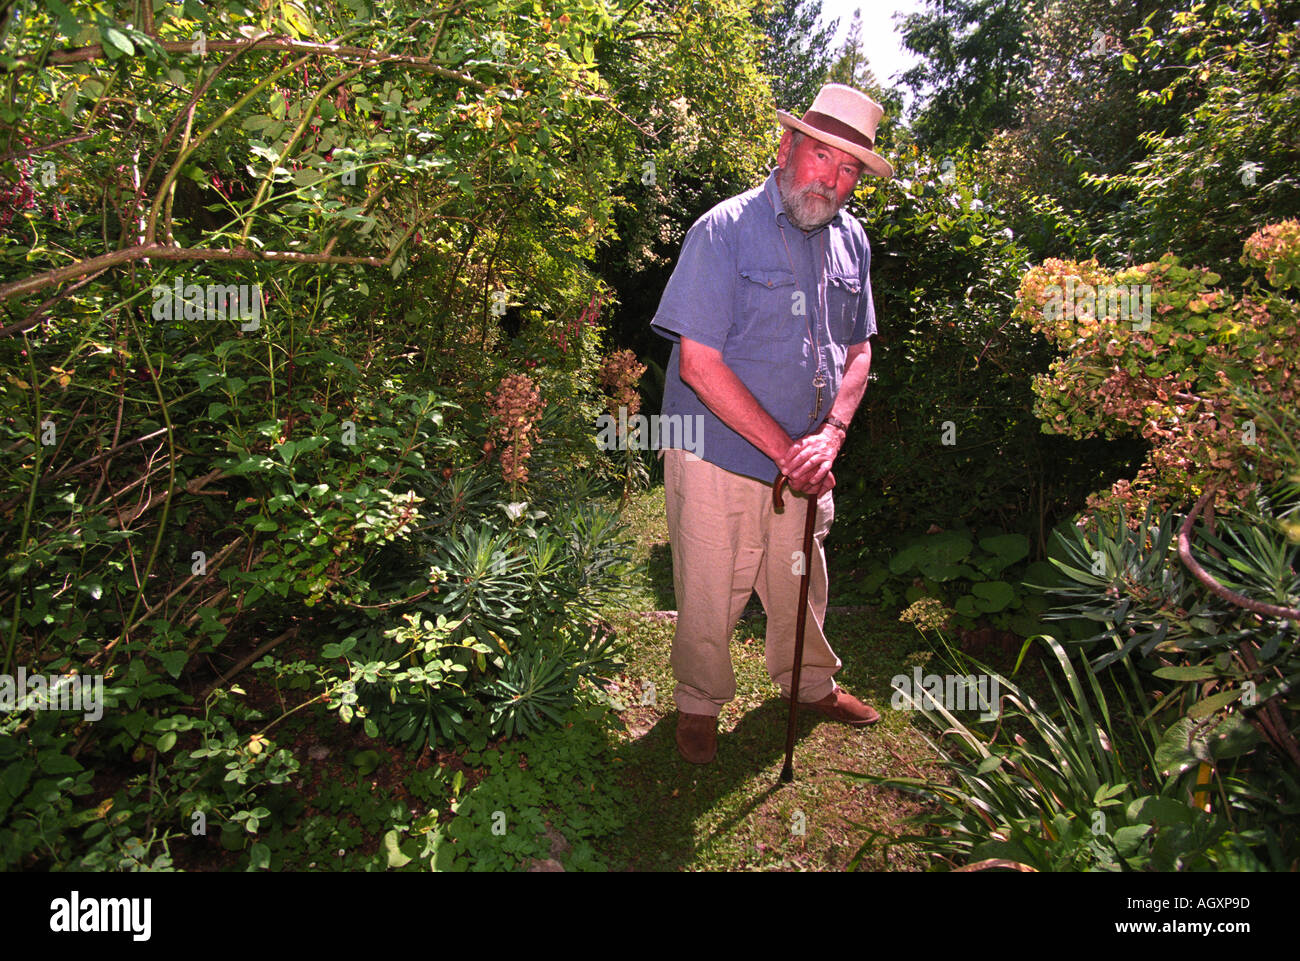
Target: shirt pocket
pixel 843 295
pixel 766 308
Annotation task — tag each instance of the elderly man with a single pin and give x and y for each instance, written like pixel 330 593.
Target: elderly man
pixel 770 310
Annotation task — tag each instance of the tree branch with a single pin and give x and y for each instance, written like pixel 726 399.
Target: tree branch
pixel 32 151
pixel 1204 576
pixel 127 255
pixel 283 45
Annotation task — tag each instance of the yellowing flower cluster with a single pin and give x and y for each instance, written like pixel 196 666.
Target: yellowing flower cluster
pixel 620 373
pixel 1210 381
pixel 1276 248
pixel 516 407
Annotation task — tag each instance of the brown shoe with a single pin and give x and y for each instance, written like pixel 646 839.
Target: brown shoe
pixel 839 705
pixel 697 737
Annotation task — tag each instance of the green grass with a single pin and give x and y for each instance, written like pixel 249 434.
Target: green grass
pixel 648 525
pixel 734 814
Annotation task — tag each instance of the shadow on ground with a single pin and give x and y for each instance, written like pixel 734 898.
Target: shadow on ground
pixel 675 797
pixel 659 573
pixel 734 814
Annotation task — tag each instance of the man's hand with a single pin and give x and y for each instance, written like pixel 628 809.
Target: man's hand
pixel 807 464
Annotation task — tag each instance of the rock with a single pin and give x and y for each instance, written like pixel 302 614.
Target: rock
pixel 640 728
pixel 318 752
pixel 550 865
pixel 558 843
pixel 659 615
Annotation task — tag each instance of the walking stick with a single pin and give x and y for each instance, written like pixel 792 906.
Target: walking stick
pixel 787 772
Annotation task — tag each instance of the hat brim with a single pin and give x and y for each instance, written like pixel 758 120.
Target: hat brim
pixel 874 163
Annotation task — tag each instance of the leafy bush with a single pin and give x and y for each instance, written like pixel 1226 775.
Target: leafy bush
pixel 1220 676
pixel 980 578
pixel 1226 165
pixel 562 776
pixel 946 434
pixel 1082 789
pixel 189 487
pixel 509 628
pixel 539 682
pixel 1208 381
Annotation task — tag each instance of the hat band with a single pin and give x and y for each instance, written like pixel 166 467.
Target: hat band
pixel 837 128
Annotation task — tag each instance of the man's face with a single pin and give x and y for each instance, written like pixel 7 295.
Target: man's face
pixel 815 180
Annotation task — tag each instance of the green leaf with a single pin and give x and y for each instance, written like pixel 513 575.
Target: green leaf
pixel 68 105
pixel 1009 547
pixel 1187 744
pixel 1128 838
pixel 1178 750
pixel 444 855
pixel 67 22
pixel 1233 737
pixel 1200 672
pixel 116 39
pixel 396 858
pixel 1206 707
pixel 1161 811
pixel 993 595
pixel 1108 791
pixel 54 763
pixel 340 649
pixel 946 572
pixel 174 661
pixel 366 761
pixel 259 857
pixel 15 776
pixel 990 763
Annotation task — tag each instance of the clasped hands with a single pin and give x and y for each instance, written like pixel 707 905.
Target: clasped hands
pixel 807 463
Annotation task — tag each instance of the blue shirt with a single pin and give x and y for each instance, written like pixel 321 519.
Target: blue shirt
pixel 755 287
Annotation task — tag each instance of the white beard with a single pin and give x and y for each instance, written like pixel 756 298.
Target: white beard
pixel 806 208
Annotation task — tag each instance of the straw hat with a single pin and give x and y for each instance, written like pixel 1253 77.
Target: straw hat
pixel 844 118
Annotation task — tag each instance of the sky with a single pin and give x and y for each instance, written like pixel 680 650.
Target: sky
pixel 884 47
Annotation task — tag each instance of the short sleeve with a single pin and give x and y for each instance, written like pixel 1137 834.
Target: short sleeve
pixel 702 282
pixel 864 325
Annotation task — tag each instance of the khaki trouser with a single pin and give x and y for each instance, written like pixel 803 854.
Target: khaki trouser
pixel 728 541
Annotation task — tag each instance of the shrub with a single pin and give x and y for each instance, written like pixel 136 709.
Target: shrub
pixel 1080 789
pixel 1208 381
